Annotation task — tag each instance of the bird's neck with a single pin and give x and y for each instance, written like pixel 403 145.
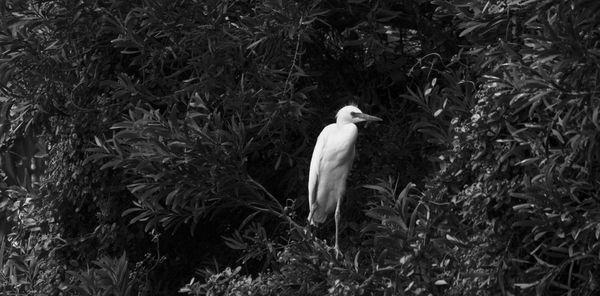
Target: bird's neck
pixel 345 127
pixel 341 123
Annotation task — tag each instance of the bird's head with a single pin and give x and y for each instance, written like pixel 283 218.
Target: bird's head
pixel 351 114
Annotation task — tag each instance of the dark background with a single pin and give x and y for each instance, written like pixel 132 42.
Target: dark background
pixel 144 144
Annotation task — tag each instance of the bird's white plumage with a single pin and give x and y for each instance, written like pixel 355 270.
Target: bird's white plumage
pixel 330 164
pixel 329 167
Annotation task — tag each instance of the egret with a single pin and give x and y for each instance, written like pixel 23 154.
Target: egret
pixel 330 163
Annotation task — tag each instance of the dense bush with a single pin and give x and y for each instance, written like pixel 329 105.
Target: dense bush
pixel 524 165
pixel 146 138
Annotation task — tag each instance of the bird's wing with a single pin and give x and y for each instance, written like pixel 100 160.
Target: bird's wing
pixel 313 175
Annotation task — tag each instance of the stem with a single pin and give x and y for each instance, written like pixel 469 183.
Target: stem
pixel 287 80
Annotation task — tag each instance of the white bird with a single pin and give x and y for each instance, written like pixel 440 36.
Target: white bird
pixel 329 166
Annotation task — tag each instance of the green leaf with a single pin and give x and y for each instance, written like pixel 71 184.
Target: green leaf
pixel 440 283
pixel 473 26
pixel 526 285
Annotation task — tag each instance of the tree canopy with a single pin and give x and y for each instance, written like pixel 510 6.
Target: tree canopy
pixel 160 147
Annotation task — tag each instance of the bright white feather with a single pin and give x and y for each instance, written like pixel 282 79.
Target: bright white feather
pixel 329 167
pixel 330 164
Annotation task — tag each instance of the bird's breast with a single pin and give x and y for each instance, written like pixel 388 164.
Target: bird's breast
pixel 339 146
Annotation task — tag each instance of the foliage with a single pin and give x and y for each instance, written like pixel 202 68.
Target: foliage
pixel 179 133
pixel 109 277
pixel 524 164
pixel 230 282
pixel 29 240
pixel 401 251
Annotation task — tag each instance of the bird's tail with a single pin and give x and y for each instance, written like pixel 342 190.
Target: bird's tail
pixel 317 216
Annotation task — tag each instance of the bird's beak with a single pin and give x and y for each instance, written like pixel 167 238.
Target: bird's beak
pixel 366 117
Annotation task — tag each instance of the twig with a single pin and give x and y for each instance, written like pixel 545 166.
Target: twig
pixel 271 211
pixel 285 89
pixel 279 215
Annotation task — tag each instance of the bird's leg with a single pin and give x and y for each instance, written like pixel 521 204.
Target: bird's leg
pixel 313 207
pixel 337 232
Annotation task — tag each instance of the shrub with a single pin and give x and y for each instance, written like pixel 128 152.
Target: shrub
pixel 522 166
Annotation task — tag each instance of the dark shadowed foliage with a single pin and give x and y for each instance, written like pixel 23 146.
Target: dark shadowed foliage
pixel 156 147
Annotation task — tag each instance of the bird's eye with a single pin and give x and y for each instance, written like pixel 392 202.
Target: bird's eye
pixel 353 113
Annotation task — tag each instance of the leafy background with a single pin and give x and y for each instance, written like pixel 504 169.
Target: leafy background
pixel 161 147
